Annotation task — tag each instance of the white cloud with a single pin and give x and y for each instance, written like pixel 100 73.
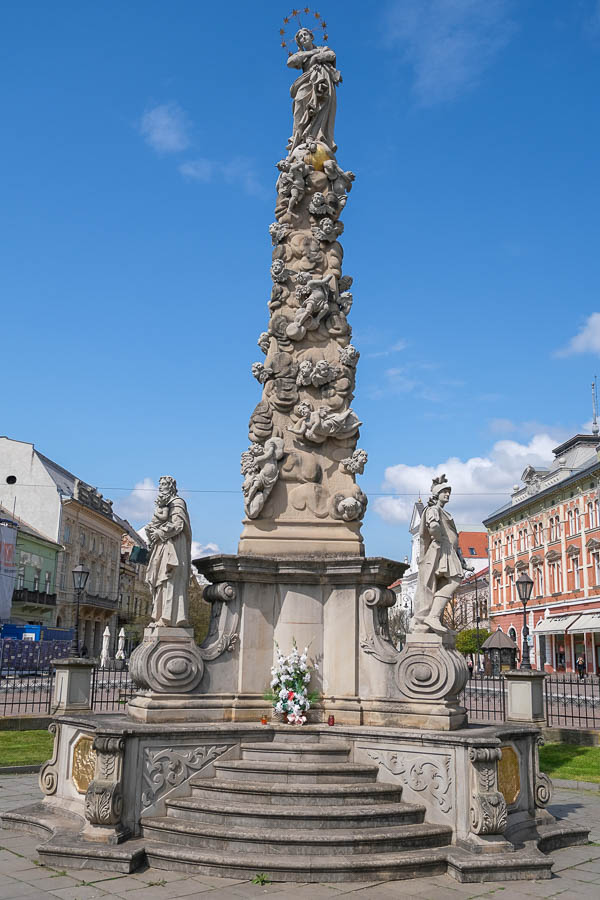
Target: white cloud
pixel 165 128
pixel 479 485
pixel 208 549
pixel 239 170
pixel 397 347
pixel 138 506
pixel 587 340
pixel 448 43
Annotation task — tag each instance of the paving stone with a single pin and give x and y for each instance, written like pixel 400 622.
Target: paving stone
pixel 79 892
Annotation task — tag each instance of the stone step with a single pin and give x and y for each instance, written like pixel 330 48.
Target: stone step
pixel 295 842
pixel 294 772
pixel 288 751
pixel 306 869
pixel 316 817
pixel 277 793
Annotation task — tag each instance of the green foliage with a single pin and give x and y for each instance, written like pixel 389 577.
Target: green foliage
pixel 466 641
pixel 261 878
pixel 571 761
pixel 25 748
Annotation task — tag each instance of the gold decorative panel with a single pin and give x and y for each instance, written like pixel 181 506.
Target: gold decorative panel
pixel 509 777
pixel 84 763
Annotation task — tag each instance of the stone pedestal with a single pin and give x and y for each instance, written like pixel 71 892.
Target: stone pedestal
pixel 525 696
pixel 431 674
pixel 335 605
pixel 72 685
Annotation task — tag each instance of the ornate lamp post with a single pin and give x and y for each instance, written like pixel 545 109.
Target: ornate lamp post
pixel 80 577
pixel 525 587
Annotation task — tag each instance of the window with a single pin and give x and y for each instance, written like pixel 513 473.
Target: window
pixel 81 537
pixel 512 634
pixel 511 587
pixel 571 527
pixel 67 533
pixel 576 574
pixel 472 551
pixel 596 564
pixel 555 578
pixel 591 511
pixel 576 524
pixel 47 582
pixel 21 578
pixel 36 581
pixel 539 580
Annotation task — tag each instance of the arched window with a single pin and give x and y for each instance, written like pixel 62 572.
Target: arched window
pixel 512 634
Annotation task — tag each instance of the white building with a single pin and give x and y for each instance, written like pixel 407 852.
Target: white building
pixel 77 516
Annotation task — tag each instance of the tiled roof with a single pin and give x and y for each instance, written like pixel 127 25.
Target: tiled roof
pixel 473 540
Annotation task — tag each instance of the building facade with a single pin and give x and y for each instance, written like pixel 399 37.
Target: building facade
pixel 551 530
pixel 135 596
pixel 75 515
pixel 34 594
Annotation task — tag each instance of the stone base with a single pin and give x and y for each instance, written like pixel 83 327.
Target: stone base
pixel 298 539
pixel 167 660
pixel 473 805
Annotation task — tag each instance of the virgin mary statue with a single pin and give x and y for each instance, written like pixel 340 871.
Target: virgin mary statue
pixel 313 92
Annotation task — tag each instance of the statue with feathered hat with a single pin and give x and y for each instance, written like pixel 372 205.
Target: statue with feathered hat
pixel 441 563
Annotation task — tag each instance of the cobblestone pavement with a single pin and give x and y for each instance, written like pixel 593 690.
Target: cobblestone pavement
pixel 22 877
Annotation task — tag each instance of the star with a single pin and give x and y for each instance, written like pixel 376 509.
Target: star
pixel 283 43
pixel 317 15
pixel 295 12
pixel 282 31
pixel 286 20
pixel 306 9
pixel 325 37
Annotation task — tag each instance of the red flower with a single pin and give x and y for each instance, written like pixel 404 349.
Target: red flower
pixel 290 695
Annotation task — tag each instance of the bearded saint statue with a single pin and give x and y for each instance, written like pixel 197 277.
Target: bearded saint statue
pixel 168 573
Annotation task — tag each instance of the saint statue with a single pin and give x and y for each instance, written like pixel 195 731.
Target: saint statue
pixel 441 563
pixel 313 92
pixel 168 573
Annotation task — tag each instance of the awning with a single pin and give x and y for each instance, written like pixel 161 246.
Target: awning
pixel 555 624
pixel 586 622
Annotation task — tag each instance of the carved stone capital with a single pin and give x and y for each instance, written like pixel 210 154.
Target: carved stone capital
pixel 104 796
pixel 225 591
pixel 104 803
pixel 48 777
pixel 374 602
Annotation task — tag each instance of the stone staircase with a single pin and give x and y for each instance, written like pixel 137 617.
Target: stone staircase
pixel 297 809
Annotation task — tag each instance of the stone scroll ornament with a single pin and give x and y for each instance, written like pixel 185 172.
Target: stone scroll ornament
pixel 104 796
pixel 302 461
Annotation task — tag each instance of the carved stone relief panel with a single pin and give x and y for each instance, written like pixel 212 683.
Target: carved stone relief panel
pixel 166 768
pixel 422 772
pixel 84 762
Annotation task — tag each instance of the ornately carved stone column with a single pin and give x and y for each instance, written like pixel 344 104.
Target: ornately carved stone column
pixel 104 796
pixel 300 491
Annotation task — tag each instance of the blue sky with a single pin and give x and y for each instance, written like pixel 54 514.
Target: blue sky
pixel 138 155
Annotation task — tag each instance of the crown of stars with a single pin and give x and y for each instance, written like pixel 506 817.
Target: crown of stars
pixel 301 18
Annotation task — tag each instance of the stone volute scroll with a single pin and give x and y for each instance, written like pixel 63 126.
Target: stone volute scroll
pixel 299 472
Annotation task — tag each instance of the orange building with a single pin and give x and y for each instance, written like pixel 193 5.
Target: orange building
pixel 551 529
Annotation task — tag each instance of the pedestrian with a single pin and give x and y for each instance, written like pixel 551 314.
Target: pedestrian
pixel 580 666
pixel 84 652
pixel 470 666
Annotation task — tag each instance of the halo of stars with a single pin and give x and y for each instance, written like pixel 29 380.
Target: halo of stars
pixel 301 18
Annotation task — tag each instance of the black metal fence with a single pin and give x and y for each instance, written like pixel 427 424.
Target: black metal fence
pixel 112 687
pixel 572 702
pixel 484 697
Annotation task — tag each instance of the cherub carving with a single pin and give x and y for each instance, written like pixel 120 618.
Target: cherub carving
pixel 278 232
pixel 349 356
pixel 317 374
pixel 345 283
pixel 320 205
pixel 319 424
pixel 279 273
pixel 260 468
pixel 349 508
pixel 261 373
pixel 264 341
pixel 297 173
pixel 354 464
pixel 278 295
pixel 315 306
pixel 345 301
pixel 340 181
pixel 327 230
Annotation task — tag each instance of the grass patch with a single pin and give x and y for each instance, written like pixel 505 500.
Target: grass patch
pixel 571 762
pixel 25 748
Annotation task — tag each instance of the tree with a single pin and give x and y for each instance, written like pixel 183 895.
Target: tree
pixel 199 610
pixel 398 619
pixel 466 641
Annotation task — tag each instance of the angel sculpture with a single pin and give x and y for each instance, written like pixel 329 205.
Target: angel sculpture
pixel 327 230
pixel 319 424
pixel 315 306
pixel 340 181
pixel 260 468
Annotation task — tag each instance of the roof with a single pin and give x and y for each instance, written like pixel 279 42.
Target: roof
pixel 63 479
pixel 26 528
pixel 477 541
pixel 130 530
pixel 481 574
pixel 499 641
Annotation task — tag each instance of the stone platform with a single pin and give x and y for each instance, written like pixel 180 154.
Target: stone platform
pixel 356 803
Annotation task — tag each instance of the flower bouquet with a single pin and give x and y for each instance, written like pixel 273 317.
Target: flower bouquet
pixel 289 685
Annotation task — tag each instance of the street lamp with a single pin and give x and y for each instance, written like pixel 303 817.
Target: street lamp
pixel 477 626
pixel 80 577
pixel 525 587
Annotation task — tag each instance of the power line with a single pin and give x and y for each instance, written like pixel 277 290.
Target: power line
pixel 415 493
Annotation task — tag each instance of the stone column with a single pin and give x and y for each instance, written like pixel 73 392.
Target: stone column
pixel 526 696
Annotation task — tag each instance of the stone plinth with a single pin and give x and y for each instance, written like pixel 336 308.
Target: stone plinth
pixel 430 676
pixel 72 686
pixel 525 696
pixel 167 661
pixel 335 605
